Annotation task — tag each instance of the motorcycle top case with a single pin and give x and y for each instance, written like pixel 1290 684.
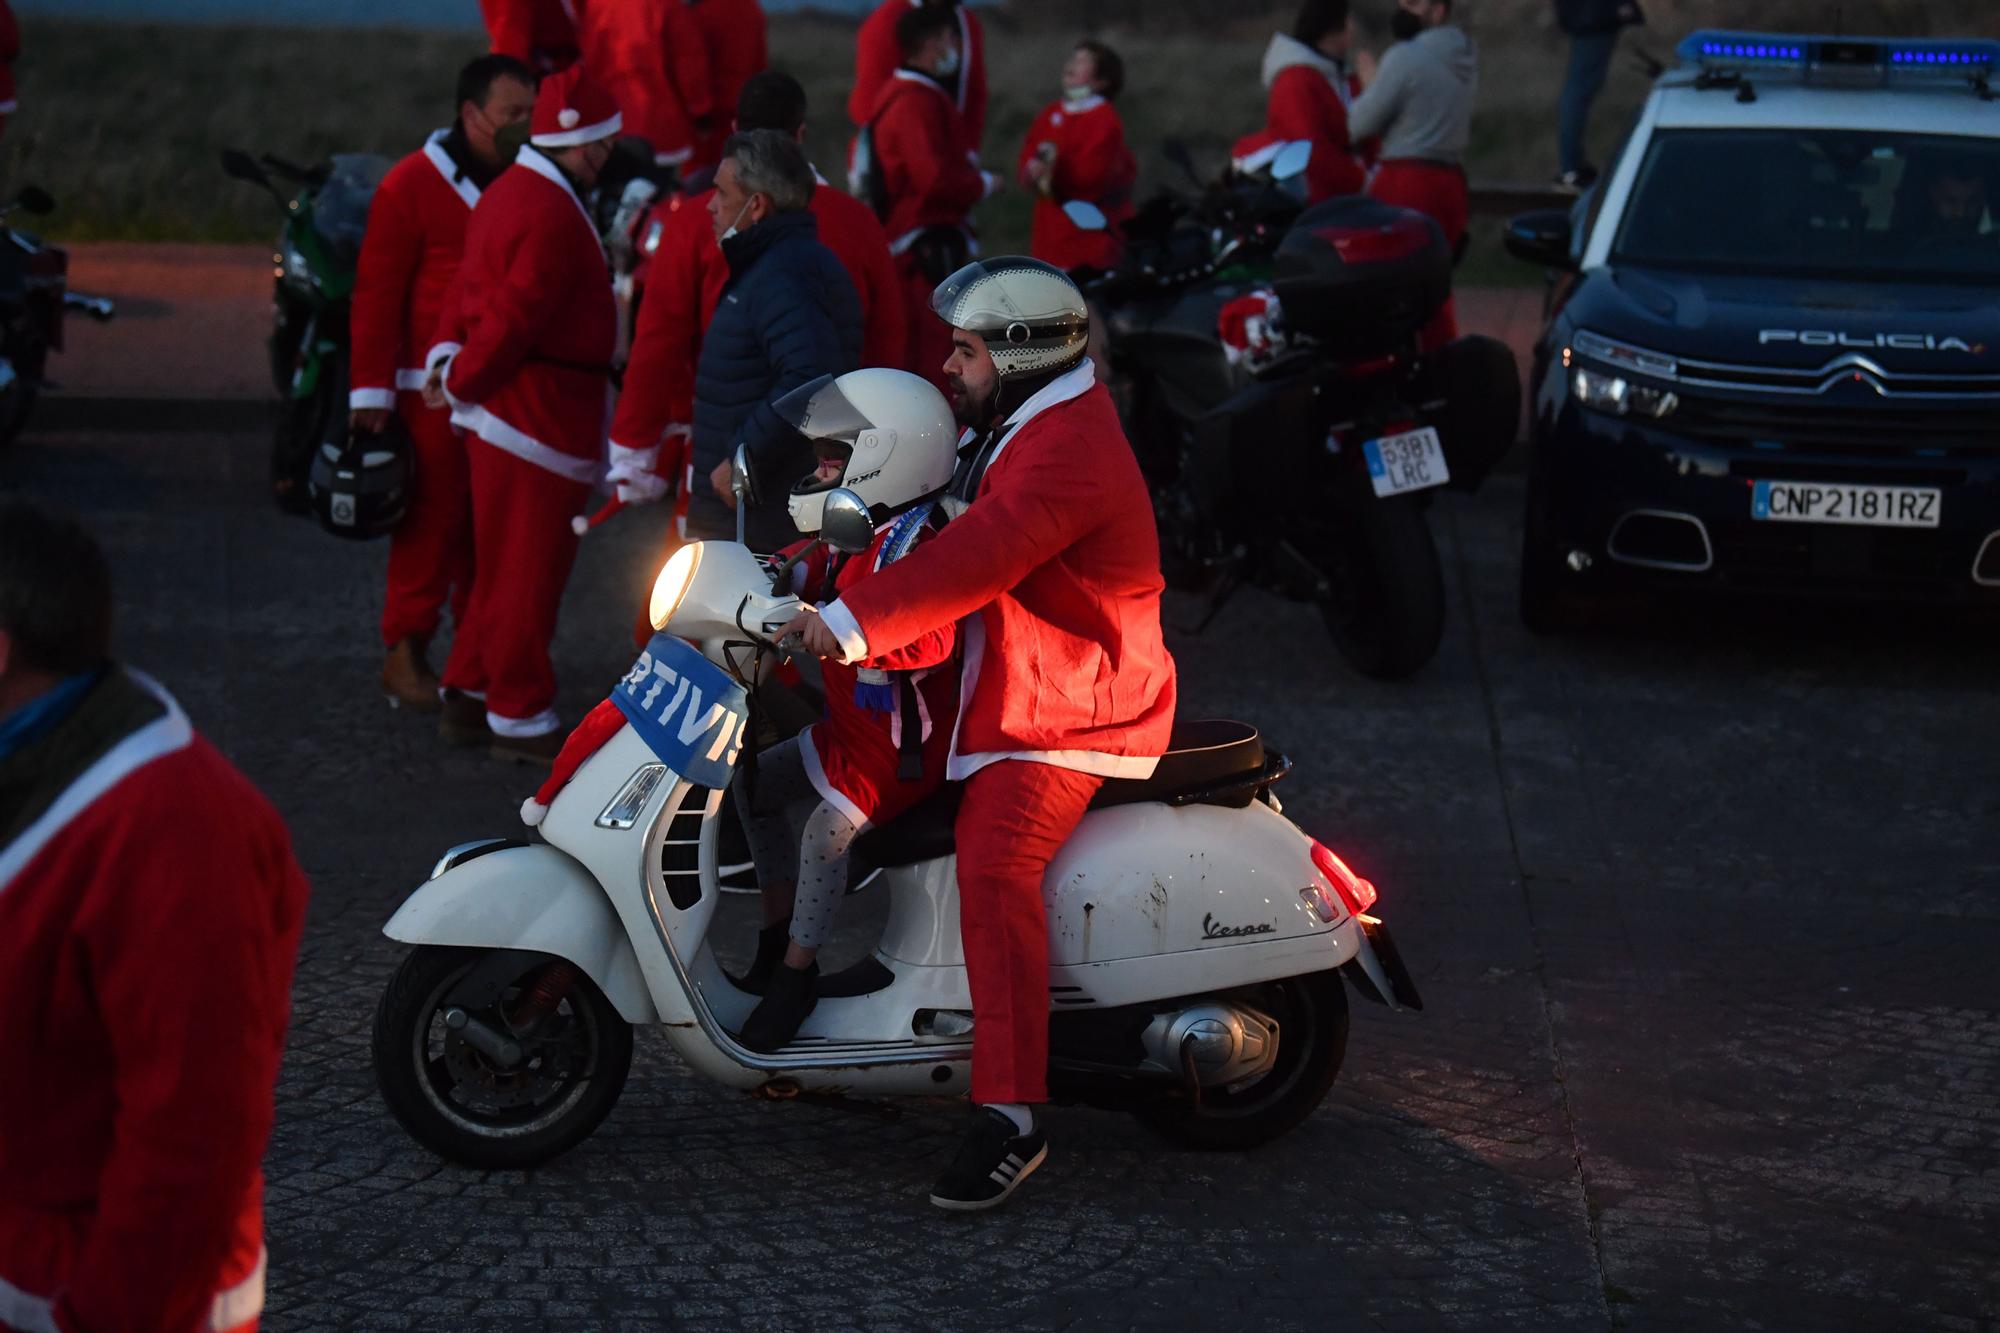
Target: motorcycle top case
pixel 1360 275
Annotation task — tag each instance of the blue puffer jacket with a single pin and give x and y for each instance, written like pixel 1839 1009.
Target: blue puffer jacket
pixel 788 315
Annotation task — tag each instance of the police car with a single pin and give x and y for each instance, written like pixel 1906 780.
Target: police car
pixel 1773 358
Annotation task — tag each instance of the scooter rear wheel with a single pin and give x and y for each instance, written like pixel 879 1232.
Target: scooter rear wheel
pixel 1312 1042
pixel 461 1104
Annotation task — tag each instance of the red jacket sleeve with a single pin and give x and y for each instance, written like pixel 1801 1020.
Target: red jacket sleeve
pixel 875 59
pixel 500 318
pixel 931 648
pixel 192 961
pixel 1094 163
pixel 1042 131
pixel 1027 515
pixel 1305 106
pixel 391 251
pixel 659 373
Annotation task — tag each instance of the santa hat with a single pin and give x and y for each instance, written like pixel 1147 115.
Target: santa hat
pixel 598 726
pixel 571 109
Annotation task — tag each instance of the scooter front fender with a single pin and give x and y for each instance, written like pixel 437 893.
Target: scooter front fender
pixel 533 897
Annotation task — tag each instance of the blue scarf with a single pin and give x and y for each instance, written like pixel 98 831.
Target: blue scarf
pixel 41 714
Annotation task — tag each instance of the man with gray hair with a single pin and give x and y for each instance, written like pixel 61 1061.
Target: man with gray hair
pixel 788 315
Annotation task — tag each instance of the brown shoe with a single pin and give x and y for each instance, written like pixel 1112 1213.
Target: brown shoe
pixel 541 750
pixel 407 679
pixel 464 720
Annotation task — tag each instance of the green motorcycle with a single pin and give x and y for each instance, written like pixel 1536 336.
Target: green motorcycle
pixel 315 262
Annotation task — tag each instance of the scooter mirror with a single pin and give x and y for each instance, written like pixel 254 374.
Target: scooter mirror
pixel 742 485
pixel 243 167
pixel 845 523
pixel 1291 160
pixel 1085 215
pixel 34 199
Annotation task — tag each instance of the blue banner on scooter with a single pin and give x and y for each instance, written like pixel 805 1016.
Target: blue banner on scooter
pixel 688 710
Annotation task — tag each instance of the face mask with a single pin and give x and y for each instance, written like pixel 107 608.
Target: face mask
pixel 947 66
pixel 739 217
pixel 1076 92
pixel 507 140
pixel 1403 25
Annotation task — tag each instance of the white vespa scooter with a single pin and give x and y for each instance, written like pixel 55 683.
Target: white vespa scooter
pixel 1196 937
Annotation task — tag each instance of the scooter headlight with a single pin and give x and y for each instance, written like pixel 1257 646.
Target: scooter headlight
pixel 676 576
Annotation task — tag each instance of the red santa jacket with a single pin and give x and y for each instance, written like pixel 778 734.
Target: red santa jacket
pixel 1058 557
pixel 651 56
pixel 684 282
pixel 1092 163
pixel 853 754
pixel 1309 97
pixel 10 51
pixel 530 324
pixel 409 256
pixel 539 33
pixel 877 57
pixel 733 36
pixel 925 158
pixel 150 911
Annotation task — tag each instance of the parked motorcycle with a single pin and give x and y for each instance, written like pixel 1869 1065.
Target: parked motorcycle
pixel 1198 939
pixel 34 297
pixel 317 251
pixel 1306 469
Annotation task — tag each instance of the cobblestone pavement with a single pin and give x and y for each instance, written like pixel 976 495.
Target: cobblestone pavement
pixel 1705 910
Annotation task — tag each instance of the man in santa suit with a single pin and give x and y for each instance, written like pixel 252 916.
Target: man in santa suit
pixel 927 173
pixel 684 283
pixel 1076 150
pixel 733 36
pixel 1054 564
pixel 1311 87
pixel 652 57
pixel 416 232
pixel 541 34
pixel 879 53
pixel 150 912
pixel 523 354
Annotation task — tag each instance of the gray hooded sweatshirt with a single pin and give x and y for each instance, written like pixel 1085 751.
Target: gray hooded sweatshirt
pixel 1421 100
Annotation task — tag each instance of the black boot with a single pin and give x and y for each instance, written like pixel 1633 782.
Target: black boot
pixel 788 999
pixel 771 942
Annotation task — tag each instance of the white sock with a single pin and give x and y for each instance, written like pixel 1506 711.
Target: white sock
pixel 1023 1116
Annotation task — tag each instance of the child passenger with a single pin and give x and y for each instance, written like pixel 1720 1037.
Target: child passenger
pixel 889 437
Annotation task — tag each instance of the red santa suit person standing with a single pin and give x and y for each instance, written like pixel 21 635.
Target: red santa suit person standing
pixel 918 166
pixel 1054 565
pixel 541 34
pixel 652 57
pixel 1076 150
pixel 1311 88
pixel 523 353
pixel 150 911
pixel 416 233
pixel 685 281
pixel 879 53
pixel 733 37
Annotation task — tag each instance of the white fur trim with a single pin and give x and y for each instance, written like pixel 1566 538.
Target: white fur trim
pixel 366 400
pixel 412 379
pixel 478 421
pixel 637 459
pixel 846 629
pixel 160 737
pixel 523 728
pixel 579 525
pixel 570 138
pixel 438 355
pixel 467 192
pixel 544 167
pixel 533 812
pixel 677 157
pixel 832 795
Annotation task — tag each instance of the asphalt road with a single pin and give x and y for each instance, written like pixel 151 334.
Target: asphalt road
pixel 1704 907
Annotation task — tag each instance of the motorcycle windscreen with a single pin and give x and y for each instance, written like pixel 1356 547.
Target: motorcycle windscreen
pixel 820 411
pixel 340 209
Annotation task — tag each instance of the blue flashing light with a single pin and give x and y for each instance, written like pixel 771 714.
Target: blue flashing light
pixel 1722 49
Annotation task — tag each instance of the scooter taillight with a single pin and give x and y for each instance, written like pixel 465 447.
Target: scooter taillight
pixel 1356 892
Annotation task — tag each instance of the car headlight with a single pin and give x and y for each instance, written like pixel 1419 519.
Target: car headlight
pixel 1621 397
pixel 672 585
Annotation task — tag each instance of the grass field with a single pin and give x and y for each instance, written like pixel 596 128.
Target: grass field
pixel 122 122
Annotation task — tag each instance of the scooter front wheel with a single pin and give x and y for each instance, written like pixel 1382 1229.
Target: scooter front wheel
pixel 1311 1012
pixel 473 1109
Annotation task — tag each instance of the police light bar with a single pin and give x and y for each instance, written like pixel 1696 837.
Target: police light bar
pixel 1838 59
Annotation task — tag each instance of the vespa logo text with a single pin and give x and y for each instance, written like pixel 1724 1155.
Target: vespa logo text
pixel 1908 342
pixel 1211 929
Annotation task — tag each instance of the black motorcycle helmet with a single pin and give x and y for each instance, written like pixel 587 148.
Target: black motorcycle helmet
pixel 360 484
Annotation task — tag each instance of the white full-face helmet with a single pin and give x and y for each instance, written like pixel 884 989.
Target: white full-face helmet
pixel 894 429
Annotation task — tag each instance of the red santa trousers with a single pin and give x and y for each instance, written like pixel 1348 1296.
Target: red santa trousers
pixel 1438 192
pixel 522 550
pixel 1015 815
pixel 430 552
pixel 929 336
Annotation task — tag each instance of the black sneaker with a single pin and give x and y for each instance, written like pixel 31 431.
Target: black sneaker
pixel 771 942
pixel 991 1163
pixel 790 996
